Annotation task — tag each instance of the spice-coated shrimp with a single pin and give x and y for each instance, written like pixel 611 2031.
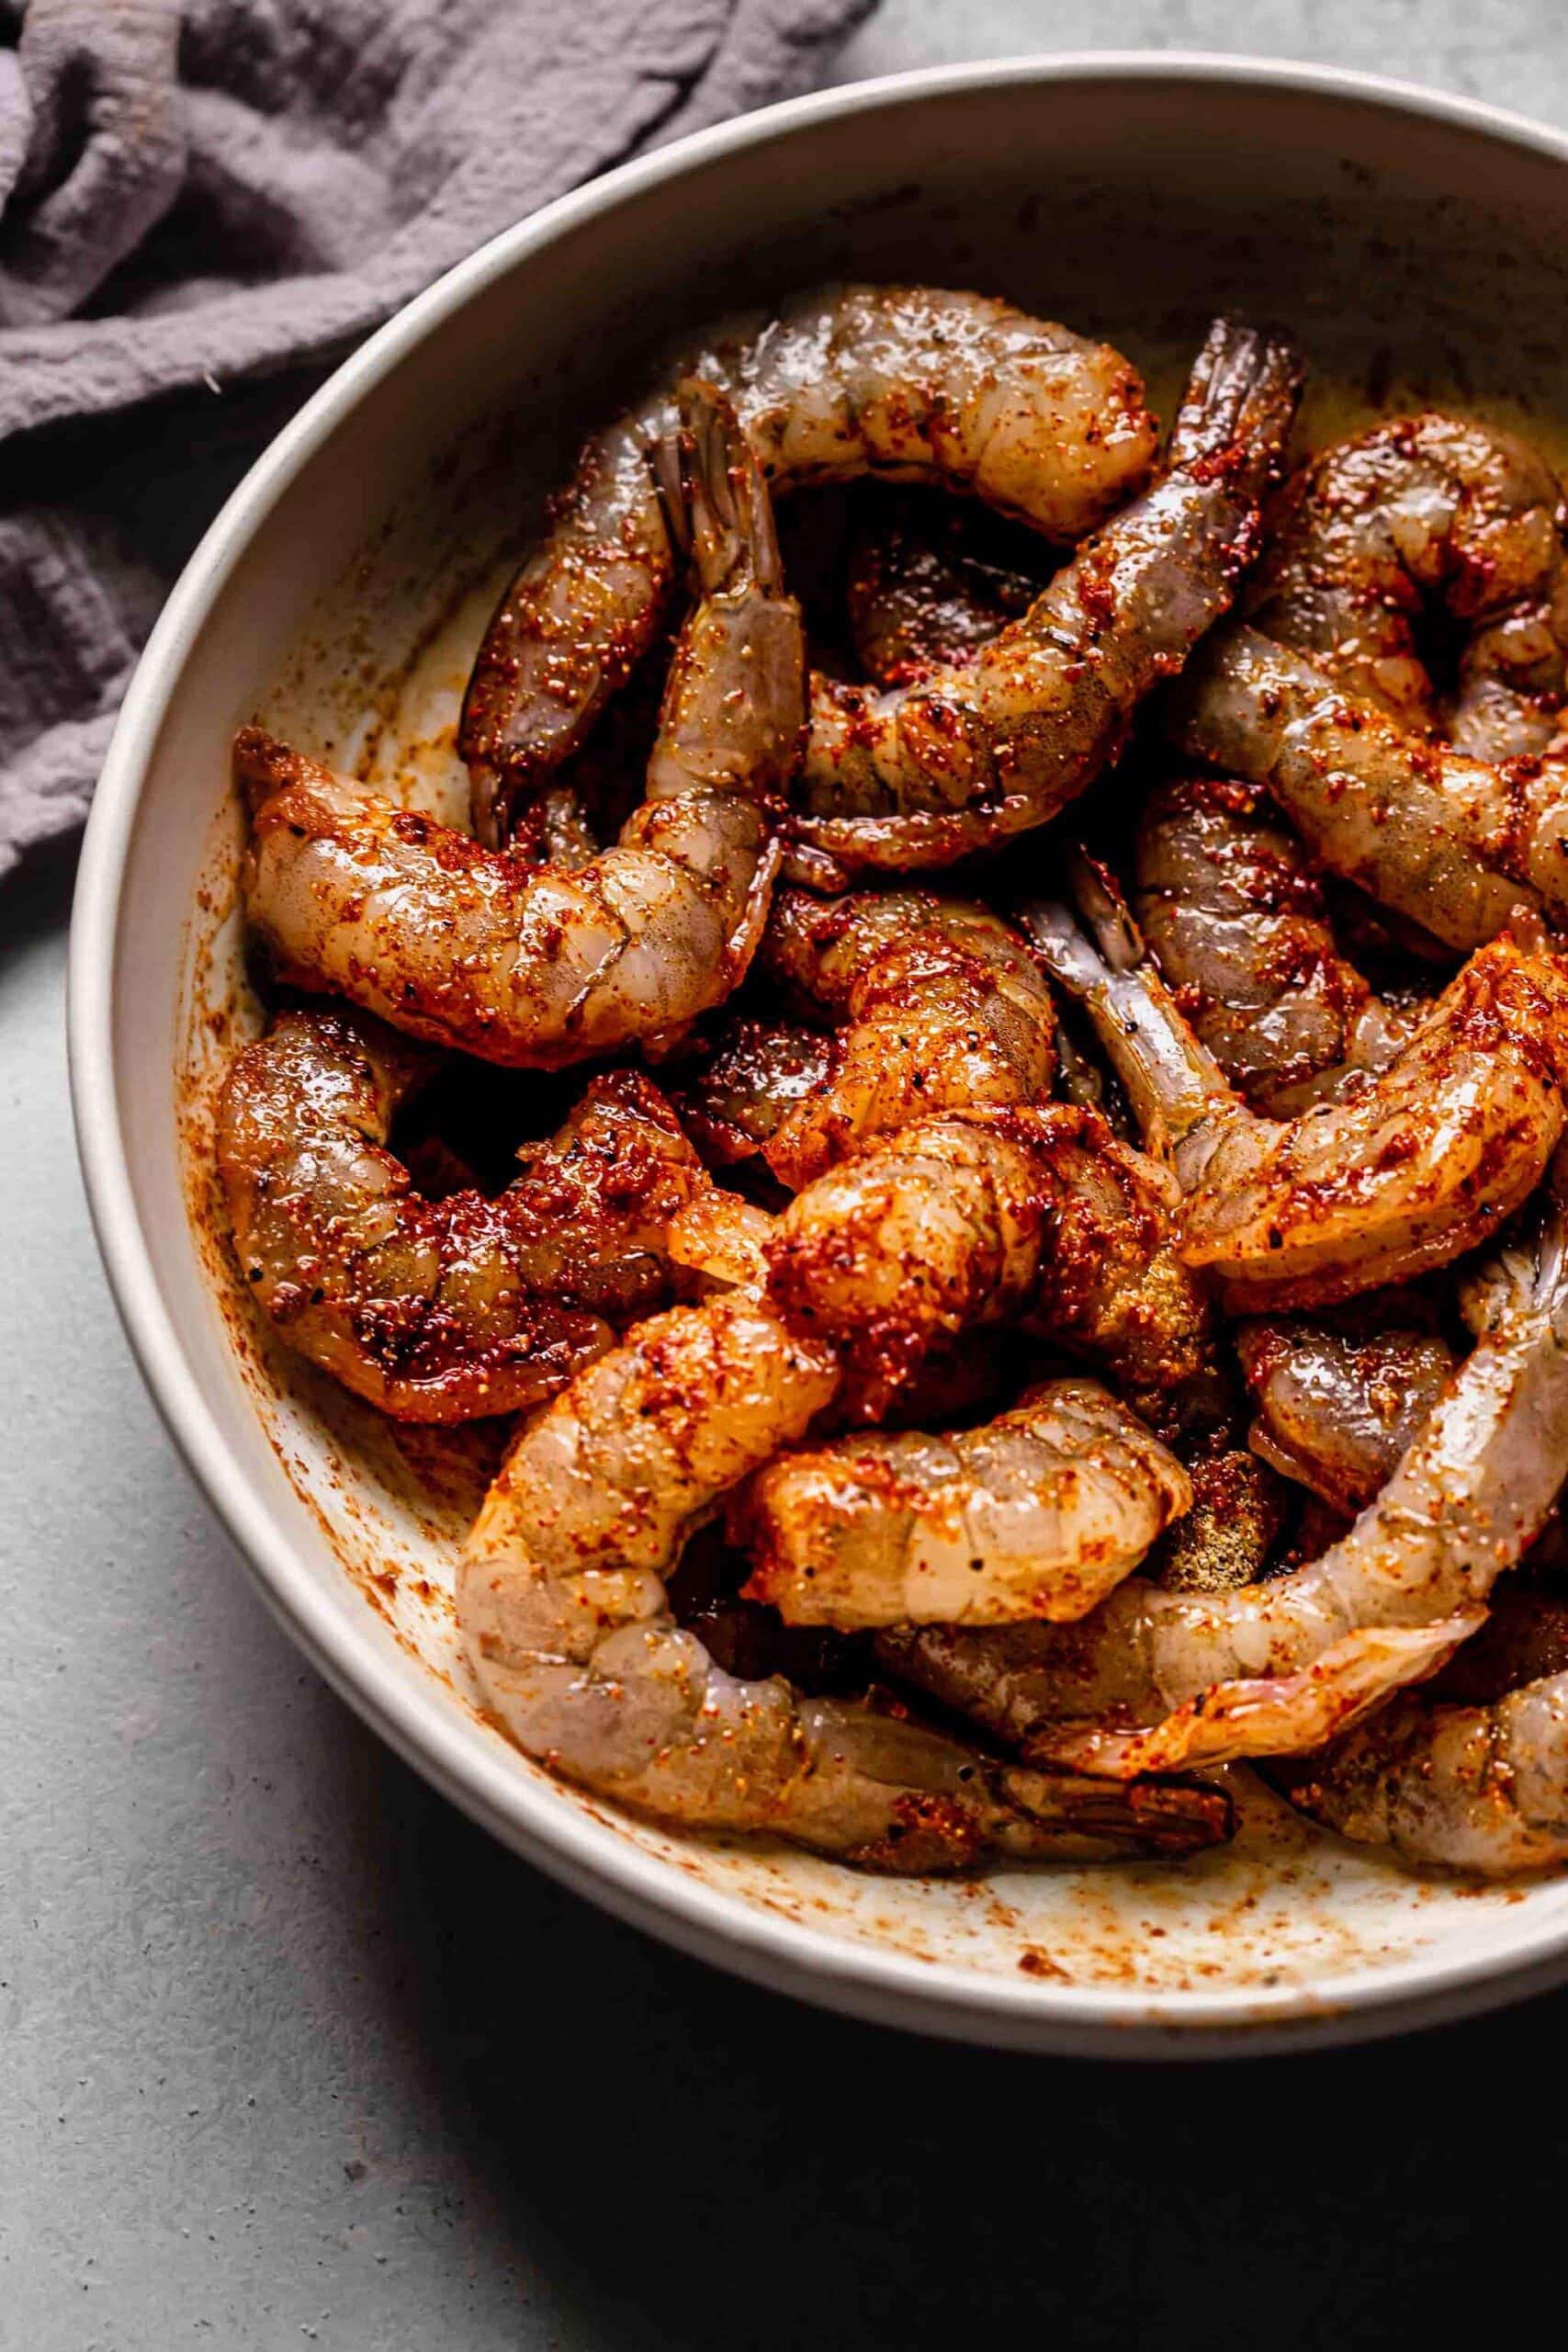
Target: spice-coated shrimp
pixel 1037 1513
pixel 943 1006
pixel 1480 1787
pixel 1338 1407
pixel 1036 1216
pixel 562 1602
pixel 908 383
pixel 1460 846
pixel 538 965
pixel 1423 1164
pixel 1154 1679
pixel 437 1310
pixel 1234 916
pixel 921 777
pixel 1418 512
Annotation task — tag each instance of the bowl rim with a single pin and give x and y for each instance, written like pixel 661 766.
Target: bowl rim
pixel 469 1764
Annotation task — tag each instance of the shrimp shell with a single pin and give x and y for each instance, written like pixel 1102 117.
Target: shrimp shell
pixel 1038 1513
pixel 562 1604
pixel 538 966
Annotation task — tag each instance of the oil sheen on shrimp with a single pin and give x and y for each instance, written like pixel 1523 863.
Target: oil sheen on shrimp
pixel 1234 914
pixel 536 965
pixel 562 1602
pixel 1035 1216
pixel 1477 1788
pixel 1459 845
pixel 1337 1407
pixel 439 1310
pixel 919 777
pixel 1038 1513
pixel 1419 1167
pixel 1422 512
pixel 943 1007
pixel 908 383
pixel 1153 1679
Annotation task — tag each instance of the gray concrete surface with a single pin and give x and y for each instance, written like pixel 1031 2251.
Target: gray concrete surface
pixel 290 2054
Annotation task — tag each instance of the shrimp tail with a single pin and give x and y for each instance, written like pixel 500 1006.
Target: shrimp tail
pixel 1240 401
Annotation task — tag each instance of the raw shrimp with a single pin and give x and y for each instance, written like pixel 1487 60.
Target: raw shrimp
pixel 562 1601
pixel 921 777
pixel 1153 1680
pixel 437 1310
pixel 1472 1788
pixel 1037 1216
pixel 1036 1514
pixel 1458 846
pixel 1234 914
pixel 920 597
pixel 538 966
pixel 943 1008
pixel 1339 1407
pixel 1419 1167
pixel 905 382
pixel 1418 512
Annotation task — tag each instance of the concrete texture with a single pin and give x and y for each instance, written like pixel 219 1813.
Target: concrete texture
pixel 288 2053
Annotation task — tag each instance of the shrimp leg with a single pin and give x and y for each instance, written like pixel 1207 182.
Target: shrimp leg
pixel 562 1604
pixel 538 966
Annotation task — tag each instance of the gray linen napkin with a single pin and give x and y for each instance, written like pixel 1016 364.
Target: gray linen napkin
pixel 199 194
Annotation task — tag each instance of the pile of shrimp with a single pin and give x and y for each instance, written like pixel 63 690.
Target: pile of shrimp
pixel 1049 1289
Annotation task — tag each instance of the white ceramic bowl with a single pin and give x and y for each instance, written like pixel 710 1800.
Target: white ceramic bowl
pixel 1421 246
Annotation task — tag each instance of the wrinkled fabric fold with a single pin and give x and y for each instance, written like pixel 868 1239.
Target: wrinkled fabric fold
pixel 197 196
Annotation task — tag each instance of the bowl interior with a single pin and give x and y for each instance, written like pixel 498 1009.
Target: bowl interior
pixel 1421 259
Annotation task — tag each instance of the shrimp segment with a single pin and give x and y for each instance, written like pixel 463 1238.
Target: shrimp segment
pixel 970 755
pixel 951 1224
pixel 538 966
pixel 1452 1788
pixel 1338 1408
pixel 439 1310
pixel 1419 1167
pixel 736 1100
pixel 562 1603
pixel 1459 845
pixel 1153 1679
pixel 905 382
pixel 1234 914
pixel 1420 511
pixel 945 1008
pixel 1037 1514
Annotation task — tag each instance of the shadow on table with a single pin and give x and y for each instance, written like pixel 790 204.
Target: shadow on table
pixel 714 2167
